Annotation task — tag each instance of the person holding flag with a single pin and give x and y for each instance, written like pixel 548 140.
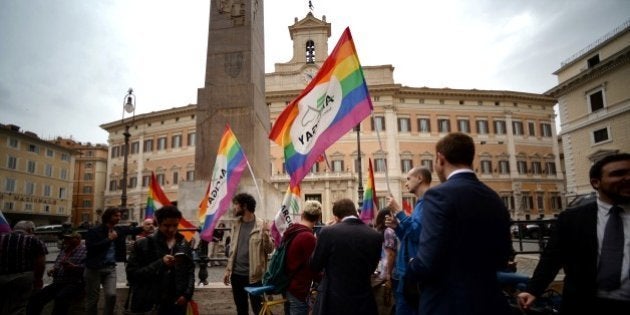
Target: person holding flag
pixel 407 230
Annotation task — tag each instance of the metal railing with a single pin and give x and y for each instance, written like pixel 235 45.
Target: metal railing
pixel 531 236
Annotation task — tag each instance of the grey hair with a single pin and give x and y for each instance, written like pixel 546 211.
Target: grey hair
pixel 26 226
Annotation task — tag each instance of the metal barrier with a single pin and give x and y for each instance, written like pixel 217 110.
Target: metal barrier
pixel 531 232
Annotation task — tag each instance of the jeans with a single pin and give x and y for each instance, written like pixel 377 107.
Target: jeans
pixel 240 295
pixel 297 306
pixel 94 278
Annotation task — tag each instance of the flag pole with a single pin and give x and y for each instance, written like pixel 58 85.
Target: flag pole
pixel 378 137
pixel 254 178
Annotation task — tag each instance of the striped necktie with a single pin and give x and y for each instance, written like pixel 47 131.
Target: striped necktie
pixel 611 256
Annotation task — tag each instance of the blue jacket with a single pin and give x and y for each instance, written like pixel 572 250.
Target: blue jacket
pixel 408 232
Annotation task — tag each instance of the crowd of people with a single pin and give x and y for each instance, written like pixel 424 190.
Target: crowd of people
pixel 417 263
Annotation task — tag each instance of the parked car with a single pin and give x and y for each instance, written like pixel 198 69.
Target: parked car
pixel 532 230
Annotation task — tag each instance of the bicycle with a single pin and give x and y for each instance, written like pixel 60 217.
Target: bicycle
pixel 268 301
pixel 512 283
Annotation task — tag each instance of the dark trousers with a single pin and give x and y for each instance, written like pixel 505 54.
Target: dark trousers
pixel 63 293
pixel 612 307
pixel 240 295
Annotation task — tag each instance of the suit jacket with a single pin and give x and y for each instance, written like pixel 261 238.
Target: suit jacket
pixel 573 247
pixel 98 243
pixel 348 253
pixel 465 240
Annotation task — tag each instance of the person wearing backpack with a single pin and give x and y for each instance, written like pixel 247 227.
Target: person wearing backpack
pixel 298 253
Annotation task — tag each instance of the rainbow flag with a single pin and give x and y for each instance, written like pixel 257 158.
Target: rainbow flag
pixel 157 199
pixel 368 209
pixel 4 224
pixel 290 206
pixel 229 166
pixel 333 103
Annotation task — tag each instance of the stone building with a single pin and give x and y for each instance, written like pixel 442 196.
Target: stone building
pixel 593 94
pixel 517 147
pixel 36 177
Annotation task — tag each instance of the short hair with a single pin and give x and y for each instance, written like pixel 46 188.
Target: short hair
pixel 245 199
pixel 167 212
pixel 457 148
pixel 343 208
pixel 596 169
pixel 424 172
pixel 26 226
pixel 109 213
pixel 312 210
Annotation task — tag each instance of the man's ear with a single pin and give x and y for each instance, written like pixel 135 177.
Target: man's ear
pixel 595 183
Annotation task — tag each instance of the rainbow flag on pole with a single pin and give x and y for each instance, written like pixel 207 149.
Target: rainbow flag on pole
pixel 229 166
pixel 290 206
pixel 335 101
pixel 157 199
pixel 368 209
pixel 4 224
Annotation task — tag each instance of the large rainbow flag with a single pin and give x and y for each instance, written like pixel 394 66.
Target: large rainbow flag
pixel 229 166
pixel 368 209
pixel 333 103
pixel 157 199
pixel 4 224
pixel 290 206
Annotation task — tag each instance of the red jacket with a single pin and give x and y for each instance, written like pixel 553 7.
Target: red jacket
pixel 298 257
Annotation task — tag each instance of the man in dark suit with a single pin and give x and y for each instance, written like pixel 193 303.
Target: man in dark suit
pixel 348 253
pixel 458 276
pixel 579 242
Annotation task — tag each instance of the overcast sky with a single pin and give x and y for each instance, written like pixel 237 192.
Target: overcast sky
pixel 66 65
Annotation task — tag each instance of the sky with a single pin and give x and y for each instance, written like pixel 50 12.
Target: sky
pixel 66 65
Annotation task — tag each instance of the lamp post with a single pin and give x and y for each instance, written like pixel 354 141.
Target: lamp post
pixel 129 106
pixel 360 189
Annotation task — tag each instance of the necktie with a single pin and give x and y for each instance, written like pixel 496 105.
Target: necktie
pixel 611 256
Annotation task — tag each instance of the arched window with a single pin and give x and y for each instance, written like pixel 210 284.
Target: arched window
pixel 310 51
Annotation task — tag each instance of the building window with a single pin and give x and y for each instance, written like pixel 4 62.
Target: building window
pixel 161 143
pixel 133 182
pixel 190 176
pixel 148 145
pixel 62 193
pixel 135 147
pixel 50 153
pixel 145 180
pixel 8 205
pixel 310 51
pixel 527 202
pixel 521 166
pixel 517 128
pixel 175 178
pixel 31 167
pixel 9 185
pixel 545 130
pixel 28 207
pixel 499 127
pixel 504 167
pixel 13 143
pixel 65 157
pixel 113 185
pixel 48 170
pixel 191 139
pixel 380 165
pixel 404 125
pixel 600 135
pixel 87 189
pixel 33 148
pixel 87 176
pixel 337 166
pixel 87 203
pixel 555 201
pixel 463 125
pixel 596 101
pixel 536 168
pixel 315 168
pixel 486 167
pixel 160 179
pixel 424 125
pixel 47 191
pixel 540 203
pixel 427 163
pixel 591 62
pixel 378 123
pixel 176 141
pixel 508 201
pixel 532 128
pixel 550 168
pixel 482 127
pixel 444 125
pixel 64 173
pixel 12 162
pixel 406 165
pixel 115 152
pixel 29 188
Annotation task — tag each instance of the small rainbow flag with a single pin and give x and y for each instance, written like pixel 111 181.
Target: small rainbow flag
pixel 4 224
pixel 229 166
pixel 369 197
pixel 157 199
pixel 290 206
pixel 333 103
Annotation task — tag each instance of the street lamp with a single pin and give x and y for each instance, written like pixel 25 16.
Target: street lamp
pixel 360 189
pixel 129 106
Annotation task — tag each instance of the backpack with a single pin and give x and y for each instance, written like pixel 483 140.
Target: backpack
pixel 276 274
